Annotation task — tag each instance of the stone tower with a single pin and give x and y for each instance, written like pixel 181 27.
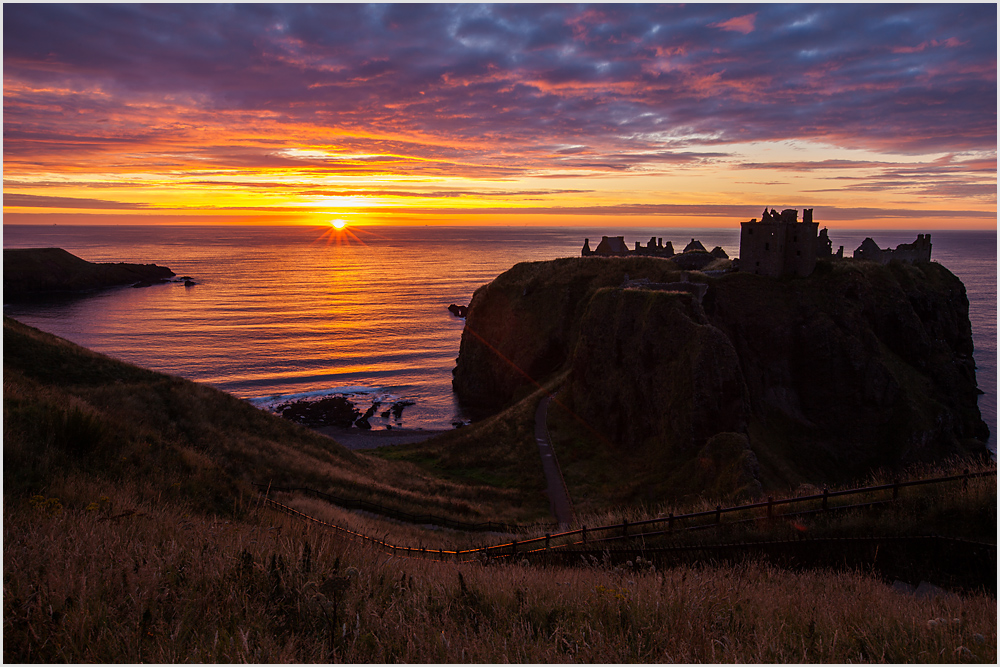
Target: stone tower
pixel 779 245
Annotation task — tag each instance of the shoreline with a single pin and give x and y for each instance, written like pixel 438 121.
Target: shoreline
pixel 356 439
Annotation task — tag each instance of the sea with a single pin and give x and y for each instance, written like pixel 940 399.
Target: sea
pixel 279 314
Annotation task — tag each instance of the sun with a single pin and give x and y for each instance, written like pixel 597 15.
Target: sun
pixel 338 223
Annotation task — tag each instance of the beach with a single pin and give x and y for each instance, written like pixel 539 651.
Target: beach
pixel 358 439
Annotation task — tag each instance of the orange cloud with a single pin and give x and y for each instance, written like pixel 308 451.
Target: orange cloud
pixel 743 24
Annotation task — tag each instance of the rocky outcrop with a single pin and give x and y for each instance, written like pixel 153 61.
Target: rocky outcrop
pixel 684 383
pixel 856 367
pixel 521 327
pixel 33 272
pixel 328 411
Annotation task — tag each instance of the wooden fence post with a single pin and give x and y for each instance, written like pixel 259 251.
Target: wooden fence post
pixel 895 489
pixel 625 528
pixel 513 548
pixel 670 523
pixel 826 495
pixel 547 541
pixel 770 507
pixel 965 479
pixel 584 534
pixel 718 514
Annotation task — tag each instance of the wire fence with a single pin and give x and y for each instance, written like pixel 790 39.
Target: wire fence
pixel 601 537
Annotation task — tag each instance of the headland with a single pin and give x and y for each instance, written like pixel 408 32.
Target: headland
pixel 791 364
pixel 36 272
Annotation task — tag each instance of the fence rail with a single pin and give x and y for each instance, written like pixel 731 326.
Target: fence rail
pixel 585 537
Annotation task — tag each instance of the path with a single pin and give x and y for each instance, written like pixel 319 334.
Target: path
pixel 562 508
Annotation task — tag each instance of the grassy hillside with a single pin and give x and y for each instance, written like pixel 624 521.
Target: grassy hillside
pixel 67 410
pixel 131 534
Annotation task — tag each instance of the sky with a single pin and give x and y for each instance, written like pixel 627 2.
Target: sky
pixel 589 115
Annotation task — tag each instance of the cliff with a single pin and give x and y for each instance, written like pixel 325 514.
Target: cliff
pixel 36 271
pixel 858 366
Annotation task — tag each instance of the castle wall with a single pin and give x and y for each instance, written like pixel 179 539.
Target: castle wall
pixel 918 251
pixel 762 248
pixel 800 249
pixel 778 248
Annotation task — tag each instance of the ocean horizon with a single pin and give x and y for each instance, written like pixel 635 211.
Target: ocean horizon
pixel 284 313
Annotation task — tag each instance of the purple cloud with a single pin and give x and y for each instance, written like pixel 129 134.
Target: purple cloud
pixel 492 91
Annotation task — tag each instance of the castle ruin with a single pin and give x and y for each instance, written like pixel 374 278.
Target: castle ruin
pixel 693 258
pixel 610 246
pixel 779 245
pixel 918 251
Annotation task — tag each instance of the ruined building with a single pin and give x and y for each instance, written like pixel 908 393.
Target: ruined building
pixel 610 246
pixel 655 248
pixel 824 247
pixel 918 251
pixel 615 246
pixel 694 246
pixel 779 245
pixel 694 257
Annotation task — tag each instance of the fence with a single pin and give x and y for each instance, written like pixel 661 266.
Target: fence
pixel 586 538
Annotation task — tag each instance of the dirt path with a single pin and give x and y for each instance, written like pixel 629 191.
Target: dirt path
pixel 562 508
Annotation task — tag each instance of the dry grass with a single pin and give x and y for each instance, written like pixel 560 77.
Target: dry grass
pixel 157 585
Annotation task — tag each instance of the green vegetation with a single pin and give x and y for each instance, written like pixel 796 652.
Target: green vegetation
pixel 132 534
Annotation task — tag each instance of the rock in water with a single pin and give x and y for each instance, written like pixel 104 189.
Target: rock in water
pixel 330 411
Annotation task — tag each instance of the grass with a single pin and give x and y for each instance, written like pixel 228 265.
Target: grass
pixel 132 534
pixel 499 451
pixel 66 408
pixel 159 585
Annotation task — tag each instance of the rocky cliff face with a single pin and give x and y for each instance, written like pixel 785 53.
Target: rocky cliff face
pixel 521 327
pixel 855 367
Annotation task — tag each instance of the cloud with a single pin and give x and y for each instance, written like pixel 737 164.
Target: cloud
pixel 43 201
pixel 735 212
pixel 743 24
pixel 486 91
